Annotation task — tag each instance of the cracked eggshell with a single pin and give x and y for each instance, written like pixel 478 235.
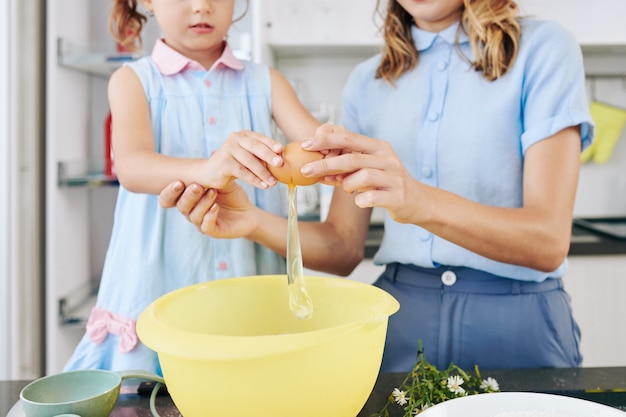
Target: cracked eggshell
pixel 294 159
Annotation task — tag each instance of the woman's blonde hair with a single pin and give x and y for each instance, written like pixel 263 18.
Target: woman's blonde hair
pixel 492 27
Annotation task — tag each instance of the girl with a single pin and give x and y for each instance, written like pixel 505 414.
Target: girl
pixel 477 172
pixel 172 116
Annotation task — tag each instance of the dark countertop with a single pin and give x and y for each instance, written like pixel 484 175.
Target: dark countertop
pixel 584 242
pixel 604 385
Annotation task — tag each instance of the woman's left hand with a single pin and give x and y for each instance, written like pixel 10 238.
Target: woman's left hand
pixel 232 215
pixel 224 213
pixel 367 168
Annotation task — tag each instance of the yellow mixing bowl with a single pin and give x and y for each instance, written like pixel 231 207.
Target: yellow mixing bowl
pixel 233 348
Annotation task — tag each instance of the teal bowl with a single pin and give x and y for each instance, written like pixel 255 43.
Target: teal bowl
pixel 87 393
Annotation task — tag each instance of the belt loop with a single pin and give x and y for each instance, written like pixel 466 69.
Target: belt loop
pixel 392 271
pixel 516 288
pixel 559 283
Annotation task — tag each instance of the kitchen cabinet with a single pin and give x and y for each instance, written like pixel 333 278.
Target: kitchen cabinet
pixel 323 23
pixel 593 23
pixel 597 286
pixel 315 42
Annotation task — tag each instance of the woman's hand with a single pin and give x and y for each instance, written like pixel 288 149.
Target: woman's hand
pixel 367 168
pixel 232 215
pixel 193 201
pixel 224 213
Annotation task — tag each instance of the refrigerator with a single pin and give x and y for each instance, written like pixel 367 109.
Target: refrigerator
pixel 21 188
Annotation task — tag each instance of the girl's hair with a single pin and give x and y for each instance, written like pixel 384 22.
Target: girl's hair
pixel 125 24
pixel 492 27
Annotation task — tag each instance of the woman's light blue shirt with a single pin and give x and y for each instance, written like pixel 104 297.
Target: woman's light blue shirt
pixel 455 130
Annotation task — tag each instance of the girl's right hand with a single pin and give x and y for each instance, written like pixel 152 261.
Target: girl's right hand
pixel 244 155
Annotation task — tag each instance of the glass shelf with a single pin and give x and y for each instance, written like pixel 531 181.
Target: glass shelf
pixel 78 58
pixel 84 174
pixel 75 307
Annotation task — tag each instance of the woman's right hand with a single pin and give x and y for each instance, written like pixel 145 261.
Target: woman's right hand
pixel 368 169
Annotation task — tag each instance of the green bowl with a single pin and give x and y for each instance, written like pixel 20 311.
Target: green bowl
pixel 87 393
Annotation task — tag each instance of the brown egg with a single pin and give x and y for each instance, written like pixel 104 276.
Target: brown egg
pixel 295 158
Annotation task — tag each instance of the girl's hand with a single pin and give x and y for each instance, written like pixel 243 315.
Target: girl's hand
pixel 367 168
pixel 244 155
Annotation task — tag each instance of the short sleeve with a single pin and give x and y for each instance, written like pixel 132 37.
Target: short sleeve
pixel 352 99
pixel 554 95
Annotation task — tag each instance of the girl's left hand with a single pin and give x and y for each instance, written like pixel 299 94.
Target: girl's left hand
pixel 367 168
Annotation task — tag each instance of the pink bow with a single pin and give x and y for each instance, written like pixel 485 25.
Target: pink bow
pixel 102 322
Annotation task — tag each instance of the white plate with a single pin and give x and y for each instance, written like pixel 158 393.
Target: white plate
pixel 490 405
pixel 16 410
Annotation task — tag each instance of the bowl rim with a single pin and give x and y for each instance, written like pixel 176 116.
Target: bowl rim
pixel 90 373
pixel 150 330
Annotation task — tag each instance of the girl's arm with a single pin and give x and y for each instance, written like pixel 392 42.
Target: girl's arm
pixel 141 169
pixel 288 112
pixel 336 245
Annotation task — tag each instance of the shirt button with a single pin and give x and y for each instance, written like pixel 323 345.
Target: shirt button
pixel 427 172
pixel 433 116
pixel 448 278
pixel 424 234
pixel 208 83
pixel 212 120
pixel 222 266
pixel 442 65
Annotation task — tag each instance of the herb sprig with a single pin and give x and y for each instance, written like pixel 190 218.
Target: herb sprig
pixel 426 386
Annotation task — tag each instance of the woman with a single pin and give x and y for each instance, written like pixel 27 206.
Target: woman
pixel 481 116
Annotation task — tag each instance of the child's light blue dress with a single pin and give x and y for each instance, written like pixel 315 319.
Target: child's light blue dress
pixel 154 250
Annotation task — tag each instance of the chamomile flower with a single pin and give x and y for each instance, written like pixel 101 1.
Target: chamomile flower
pixel 399 396
pixel 490 385
pixel 454 384
pixel 426 385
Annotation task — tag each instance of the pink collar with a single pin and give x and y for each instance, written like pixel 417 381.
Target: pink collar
pixel 170 61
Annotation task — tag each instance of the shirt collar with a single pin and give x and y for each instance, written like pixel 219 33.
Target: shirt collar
pixel 170 62
pixel 424 39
